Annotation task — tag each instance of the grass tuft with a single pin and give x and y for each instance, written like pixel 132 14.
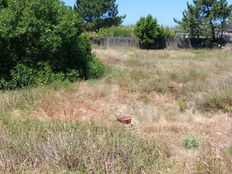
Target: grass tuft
pixel 220 99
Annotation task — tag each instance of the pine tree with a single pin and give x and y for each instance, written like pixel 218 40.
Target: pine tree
pixel 205 18
pixel 98 13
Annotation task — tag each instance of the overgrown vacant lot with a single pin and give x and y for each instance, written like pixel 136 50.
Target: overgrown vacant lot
pixel 180 102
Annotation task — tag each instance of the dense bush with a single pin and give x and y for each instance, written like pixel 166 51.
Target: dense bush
pixel 22 76
pixel 39 32
pixel 120 31
pixel 115 31
pixel 149 32
pixel 95 69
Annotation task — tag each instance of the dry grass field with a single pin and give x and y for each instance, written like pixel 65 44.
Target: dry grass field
pixel 180 102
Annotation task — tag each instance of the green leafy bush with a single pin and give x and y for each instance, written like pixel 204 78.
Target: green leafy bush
pixel 96 69
pixel 149 33
pixel 45 75
pixel 167 32
pixel 41 31
pixel 23 76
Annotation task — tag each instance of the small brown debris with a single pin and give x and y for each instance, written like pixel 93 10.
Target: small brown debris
pixel 124 119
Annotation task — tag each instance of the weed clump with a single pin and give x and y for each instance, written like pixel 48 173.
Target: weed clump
pixel 191 142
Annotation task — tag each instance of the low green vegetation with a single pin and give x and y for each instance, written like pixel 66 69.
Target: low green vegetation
pixel 197 79
pixel 187 75
pixel 191 142
pixel 183 104
pixel 120 31
pixel 220 99
pixel 162 75
pixel 230 149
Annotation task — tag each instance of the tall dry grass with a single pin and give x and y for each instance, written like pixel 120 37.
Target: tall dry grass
pixel 71 128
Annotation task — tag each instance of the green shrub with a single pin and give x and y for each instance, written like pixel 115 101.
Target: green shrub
pixel 41 31
pixel 166 32
pixel 44 75
pixel 191 142
pixel 120 31
pixel 149 33
pixel 115 31
pixel 96 69
pixel 23 76
pixel 93 36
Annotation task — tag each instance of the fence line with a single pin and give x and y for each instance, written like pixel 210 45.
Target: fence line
pixel 116 42
pixel 172 43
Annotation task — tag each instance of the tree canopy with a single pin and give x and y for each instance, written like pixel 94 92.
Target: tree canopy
pixel 37 31
pixel 98 13
pixel 149 32
pixel 206 18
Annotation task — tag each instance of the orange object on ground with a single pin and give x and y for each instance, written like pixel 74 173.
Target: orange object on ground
pixel 124 119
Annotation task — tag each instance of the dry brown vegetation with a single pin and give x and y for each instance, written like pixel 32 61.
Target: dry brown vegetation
pixel 170 94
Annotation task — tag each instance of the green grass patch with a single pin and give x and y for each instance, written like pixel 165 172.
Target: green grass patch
pixel 191 142
pixel 230 149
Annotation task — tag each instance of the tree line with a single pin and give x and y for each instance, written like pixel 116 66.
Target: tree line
pixel 206 18
pixel 202 19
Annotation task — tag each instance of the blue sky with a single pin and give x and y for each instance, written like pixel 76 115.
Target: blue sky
pixel 163 10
